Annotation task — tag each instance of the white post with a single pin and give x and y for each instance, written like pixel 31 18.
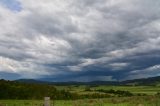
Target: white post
pixel 46 101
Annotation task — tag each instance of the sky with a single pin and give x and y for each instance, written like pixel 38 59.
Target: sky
pixel 79 40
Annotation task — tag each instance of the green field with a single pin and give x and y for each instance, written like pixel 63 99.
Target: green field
pixel 149 90
pixel 150 99
pixel 122 101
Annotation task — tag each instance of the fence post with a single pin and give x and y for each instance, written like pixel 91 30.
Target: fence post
pixel 46 101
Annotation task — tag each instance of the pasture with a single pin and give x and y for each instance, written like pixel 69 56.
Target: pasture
pixel 148 90
pixel 121 101
pixel 149 99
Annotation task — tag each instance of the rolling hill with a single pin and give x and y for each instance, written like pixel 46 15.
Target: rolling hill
pixel 143 81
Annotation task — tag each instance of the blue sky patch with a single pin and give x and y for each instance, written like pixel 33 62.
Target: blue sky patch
pixel 13 5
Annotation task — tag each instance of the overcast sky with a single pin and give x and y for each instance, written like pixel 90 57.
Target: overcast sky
pixel 79 40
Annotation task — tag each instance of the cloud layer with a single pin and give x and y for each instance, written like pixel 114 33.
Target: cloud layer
pixel 86 40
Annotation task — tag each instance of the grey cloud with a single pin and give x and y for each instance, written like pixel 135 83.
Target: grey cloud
pixel 53 38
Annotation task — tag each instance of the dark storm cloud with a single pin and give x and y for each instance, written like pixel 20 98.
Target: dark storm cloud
pixel 81 40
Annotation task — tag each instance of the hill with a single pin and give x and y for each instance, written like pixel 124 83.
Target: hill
pixel 143 81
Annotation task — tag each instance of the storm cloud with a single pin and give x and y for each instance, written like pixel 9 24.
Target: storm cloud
pixel 80 40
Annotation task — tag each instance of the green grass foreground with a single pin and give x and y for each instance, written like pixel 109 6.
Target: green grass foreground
pixel 116 101
pixel 24 94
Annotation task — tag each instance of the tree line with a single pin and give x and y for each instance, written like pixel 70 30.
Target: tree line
pixel 19 90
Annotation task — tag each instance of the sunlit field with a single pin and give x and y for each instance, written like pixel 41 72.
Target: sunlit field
pixel 148 90
pixel 122 101
pixel 149 97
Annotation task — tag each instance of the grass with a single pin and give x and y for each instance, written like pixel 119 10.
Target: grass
pixel 116 101
pixel 149 100
pixel 149 90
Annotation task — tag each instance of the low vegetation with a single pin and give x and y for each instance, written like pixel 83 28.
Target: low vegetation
pixel 116 101
pixel 27 94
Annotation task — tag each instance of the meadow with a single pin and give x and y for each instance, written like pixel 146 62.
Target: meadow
pixel 147 97
pixel 120 101
pixel 148 90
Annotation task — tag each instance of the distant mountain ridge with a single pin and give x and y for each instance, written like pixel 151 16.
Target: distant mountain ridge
pixel 142 81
